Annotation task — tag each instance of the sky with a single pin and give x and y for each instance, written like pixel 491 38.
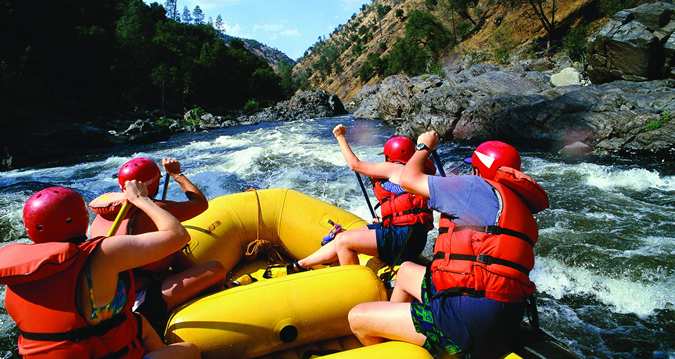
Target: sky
pixel 291 26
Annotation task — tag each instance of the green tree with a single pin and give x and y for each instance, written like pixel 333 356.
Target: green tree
pixel 400 15
pixel 187 17
pixel 219 23
pixel 430 4
pixel 163 76
pixel 417 52
pixel 198 15
pixel 575 43
pixel 461 7
pixel 372 66
pixel 424 30
pixel 171 9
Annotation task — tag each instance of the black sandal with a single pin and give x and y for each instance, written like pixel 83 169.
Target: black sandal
pixel 295 267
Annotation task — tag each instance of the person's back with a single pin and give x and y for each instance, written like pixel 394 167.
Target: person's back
pixel 73 296
pixel 472 297
pixel 172 280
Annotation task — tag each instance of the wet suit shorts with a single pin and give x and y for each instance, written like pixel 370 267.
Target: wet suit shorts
pixel 397 244
pixel 454 324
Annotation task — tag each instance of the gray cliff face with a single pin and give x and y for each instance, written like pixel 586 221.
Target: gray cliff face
pixel 635 45
pixel 484 102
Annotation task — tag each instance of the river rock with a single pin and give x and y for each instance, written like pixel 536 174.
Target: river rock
pixel 631 45
pixel 302 106
pixel 566 77
pixel 575 150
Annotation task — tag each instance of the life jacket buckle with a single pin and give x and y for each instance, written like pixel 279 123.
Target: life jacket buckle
pixel 485 259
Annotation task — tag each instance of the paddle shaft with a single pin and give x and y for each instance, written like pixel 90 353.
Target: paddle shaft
pixel 437 161
pixel 118 220
pixel 365 194
pixel 166 186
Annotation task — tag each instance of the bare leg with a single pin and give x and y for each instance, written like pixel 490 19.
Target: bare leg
pixel 181 287
pixel 349 244
pixel 156 349
pixel 375 321
pixel 327 253
pixel 408 282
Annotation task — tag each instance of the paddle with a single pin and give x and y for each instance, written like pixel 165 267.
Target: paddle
pixel 118 220
pixel 437 161
pixel 365 194
pixel 166 186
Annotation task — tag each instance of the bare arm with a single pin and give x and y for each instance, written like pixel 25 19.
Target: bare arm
pixel 370 169
pixel 413 178
pixel 119 253
pixel 195 196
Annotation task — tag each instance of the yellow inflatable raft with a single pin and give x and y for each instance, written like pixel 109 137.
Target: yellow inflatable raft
pixel 302 315
pixel 270 316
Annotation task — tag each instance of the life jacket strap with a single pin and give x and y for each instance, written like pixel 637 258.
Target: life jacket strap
pixel 491 230
pixel 483 258
pixel 137 341
pixel 78 334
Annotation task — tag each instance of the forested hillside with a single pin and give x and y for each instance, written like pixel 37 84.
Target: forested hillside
pixel 85 58
pixel 429 36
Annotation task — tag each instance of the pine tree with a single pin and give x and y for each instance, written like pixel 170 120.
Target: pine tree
pixel 219 23
pixel 198 15
pixel 171 10
pixel 210 22
pixel 187 17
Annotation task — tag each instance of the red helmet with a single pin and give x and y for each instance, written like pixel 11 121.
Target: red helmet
pixel 399 149
pixel 491 155
pixel 55 214
pixel 143 170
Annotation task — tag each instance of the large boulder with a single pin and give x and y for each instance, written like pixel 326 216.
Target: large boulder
pixel 631 46
pixel 619 118
pixel 302 106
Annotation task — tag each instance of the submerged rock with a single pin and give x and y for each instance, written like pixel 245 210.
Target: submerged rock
pixel 575 150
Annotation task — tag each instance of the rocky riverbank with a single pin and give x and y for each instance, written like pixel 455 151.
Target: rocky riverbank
pixel 627 119
pixel 550 105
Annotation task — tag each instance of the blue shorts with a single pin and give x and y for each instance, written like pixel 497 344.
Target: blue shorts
pixel 452 324
pixel 397 244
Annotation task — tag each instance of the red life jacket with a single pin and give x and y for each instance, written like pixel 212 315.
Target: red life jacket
pixel 403 209
pixel 492 261
pixel 42 289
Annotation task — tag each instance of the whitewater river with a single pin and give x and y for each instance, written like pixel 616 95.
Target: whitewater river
pixel 605 267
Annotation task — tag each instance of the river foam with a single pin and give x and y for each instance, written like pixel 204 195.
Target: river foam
pixel 624 295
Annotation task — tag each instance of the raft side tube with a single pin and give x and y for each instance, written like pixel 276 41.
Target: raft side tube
pixel 292 220
pixel 274 315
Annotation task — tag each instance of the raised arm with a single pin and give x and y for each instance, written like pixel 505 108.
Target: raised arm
pixel 370 169
pixel 197 202
pixel 413 178
pixel 120 253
